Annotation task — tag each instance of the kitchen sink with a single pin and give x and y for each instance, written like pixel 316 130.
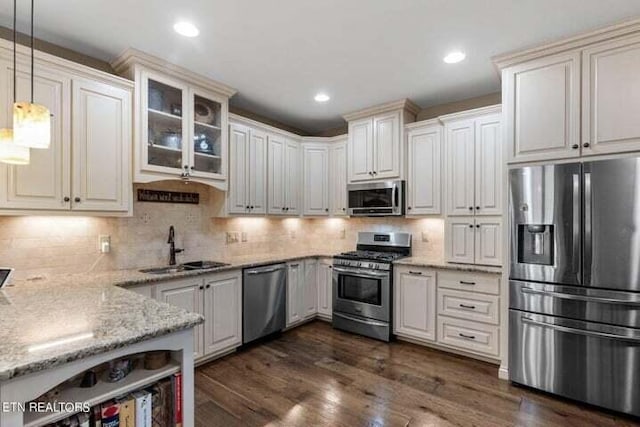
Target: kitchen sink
pixel 202 265
pixel 163 270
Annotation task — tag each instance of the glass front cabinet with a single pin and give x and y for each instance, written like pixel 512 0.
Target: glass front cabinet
pixel 179 133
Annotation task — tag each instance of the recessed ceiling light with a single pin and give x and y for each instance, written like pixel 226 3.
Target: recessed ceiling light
pixel 322 97
pixel 186 29
pixel 454 57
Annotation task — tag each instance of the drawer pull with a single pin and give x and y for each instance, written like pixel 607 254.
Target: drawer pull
pixel 462 282
pixel 416 273
pixel 470 307
pixel 469 337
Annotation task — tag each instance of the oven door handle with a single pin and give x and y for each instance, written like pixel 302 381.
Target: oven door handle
pixel 580 331
pixel 360 273
pixel 355 319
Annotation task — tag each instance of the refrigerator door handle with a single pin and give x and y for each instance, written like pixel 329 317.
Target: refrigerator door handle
pixel 595 334
pixel 576 224
pixel 588 248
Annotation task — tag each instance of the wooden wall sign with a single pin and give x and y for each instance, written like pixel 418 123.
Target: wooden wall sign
pixel 158 196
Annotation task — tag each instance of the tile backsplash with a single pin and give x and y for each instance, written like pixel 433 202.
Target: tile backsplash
pixel 42 246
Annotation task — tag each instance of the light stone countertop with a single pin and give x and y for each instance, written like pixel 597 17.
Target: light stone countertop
pixel 429 263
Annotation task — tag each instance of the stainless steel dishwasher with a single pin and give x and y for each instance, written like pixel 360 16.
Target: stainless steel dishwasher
pixel 264 301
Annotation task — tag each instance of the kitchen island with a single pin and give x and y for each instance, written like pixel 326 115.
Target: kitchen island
pixel 52 332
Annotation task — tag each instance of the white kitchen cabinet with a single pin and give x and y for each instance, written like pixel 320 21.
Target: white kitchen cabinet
pixel 460 167
pixel 541 101
pixel 338 178
pixel 415 303
pixel 325 288
pixel 488 165
pixel 488 241
pixel 310 288
pixel 283 170
pixel 223 312
pixel 386 146
pixel 469 305
pixel 295 294
pixel 611 96
pixel 361 150
pixel 187 294
pixel 315 159
pixel 87 166
pixel 473 240
pixel 424 171
pixel 470 336
pixel 248 170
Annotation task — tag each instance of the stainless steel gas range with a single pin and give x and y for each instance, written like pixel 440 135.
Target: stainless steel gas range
pixel 363 284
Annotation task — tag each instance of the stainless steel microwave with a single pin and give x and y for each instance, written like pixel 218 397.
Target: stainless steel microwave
pixel 385 198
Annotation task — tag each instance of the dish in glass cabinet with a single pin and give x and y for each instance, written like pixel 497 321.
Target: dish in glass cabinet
pixel 204 113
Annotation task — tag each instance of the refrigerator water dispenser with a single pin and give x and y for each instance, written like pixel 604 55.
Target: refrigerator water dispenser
pixel 535 244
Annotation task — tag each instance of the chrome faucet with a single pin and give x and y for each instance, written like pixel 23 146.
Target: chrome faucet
pixel 172 246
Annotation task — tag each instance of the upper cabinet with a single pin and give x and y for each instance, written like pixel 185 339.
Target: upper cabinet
pixel 375 148
pixel 248 187
pixel 181 122
pixel 572 98
pixel 324 166
pixel 283 171
pixel 338 177
pixel 87 167
pixel 424 146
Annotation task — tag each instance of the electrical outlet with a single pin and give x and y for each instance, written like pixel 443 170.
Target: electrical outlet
pixel 145 218
pixel 245 238
pixel 343 234
pixel 425 236
pixel 232 237
pixel 104 243
pixel 191 218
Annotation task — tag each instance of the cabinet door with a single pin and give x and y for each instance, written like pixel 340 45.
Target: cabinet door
pixel 489 167
pixel 415 304
pixel 611 97
pixel 316 180
pixel 222 312
pixel 257 166
pixel 459 240
pixel 325 288
pixel 424 183
pixel 361 150
pixel 488 241
pixel 310 288
pixel 188 295
pixel 277 175
pixel 238 194
pixel 292 179
pixel 460 166
pixel 46 180
pixel 295 276
pixel 541 101
pixel 338 178
pixel 386 147
pixel 208 147
pixel 164 129
pixel 101 140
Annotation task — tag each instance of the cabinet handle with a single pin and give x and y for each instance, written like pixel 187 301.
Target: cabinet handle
pixel 471 307
pixel 208 286
pixel 462 282
pixel 585 145
pixel 469 337
pixel 575 146
pixel 294 265
pixel 66 199
pixel 375 173
pixel 416 273
pixel 201 287
pixel 77 200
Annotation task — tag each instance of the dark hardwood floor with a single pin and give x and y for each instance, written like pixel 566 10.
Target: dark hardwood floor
pixel 316 376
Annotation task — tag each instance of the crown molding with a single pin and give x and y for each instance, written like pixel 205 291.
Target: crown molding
pixel 624 28
pixel 130 57
pixel 325 139
pixel 423 123
pixel 238 119
pixel 403 104
pixel 491 109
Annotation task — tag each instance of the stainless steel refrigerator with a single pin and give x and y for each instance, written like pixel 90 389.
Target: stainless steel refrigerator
pixel 574 305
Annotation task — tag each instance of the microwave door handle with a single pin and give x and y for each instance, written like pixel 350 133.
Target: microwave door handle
pixel 394 196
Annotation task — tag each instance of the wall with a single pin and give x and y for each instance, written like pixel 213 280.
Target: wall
pixel 43 246
pixel 457 106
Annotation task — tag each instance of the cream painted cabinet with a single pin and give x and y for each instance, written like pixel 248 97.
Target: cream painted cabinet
pixel 325 288
pixel 338 178
pixel 315 158
pixel 310 292
pixel 460 164
pixel 541 101
pixel 415 303
pixel 424 171
pixel 473 240
pixel 361 152
pixel 611 96
pixel 223 312
pixel 283 170
pixel 248 188
pixel 87 167
pixel 488 165
pixel 295 295
pixel 374 148
pixel 293 178
pixel 488 241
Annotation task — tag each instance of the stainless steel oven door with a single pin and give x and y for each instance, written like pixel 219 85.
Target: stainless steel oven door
pixel 362 292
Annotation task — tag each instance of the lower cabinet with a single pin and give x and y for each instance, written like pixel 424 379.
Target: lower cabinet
pixel 310 290
pixel 218 297
pixel 302 290
pixel 415 303
pixel 325 288
pixel 474 240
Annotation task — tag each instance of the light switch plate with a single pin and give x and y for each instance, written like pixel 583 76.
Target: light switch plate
pixel 425 236
pixel 104 243
pixel 245 237
pixel 232 237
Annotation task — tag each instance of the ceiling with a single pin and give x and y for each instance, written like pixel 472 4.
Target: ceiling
pixel 279 53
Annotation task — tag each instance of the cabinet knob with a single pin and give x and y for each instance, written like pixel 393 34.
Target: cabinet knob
pixel 201 287
pixel 470 225
pixel 326 209
pixel 247 207
pixel 586 145
pixel 409 207
pixel 575 146
pixel 208 286
pixel 470 208
pixel 286 209
pixel 66 199
pixel 77 200
pixel 344 209
pixel 371 173
pixel 251 207
pixel 375 173
pixel 477 225
pixel 477 208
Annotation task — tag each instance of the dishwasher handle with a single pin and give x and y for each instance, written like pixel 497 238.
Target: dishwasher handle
pixel 267 269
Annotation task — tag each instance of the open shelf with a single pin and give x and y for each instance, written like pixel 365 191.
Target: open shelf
pixel 103 391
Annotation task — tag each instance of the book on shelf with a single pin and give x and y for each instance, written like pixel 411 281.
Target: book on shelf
pixel 176 381
pixel 143 408
pixel 110 414
pixel 127 411
pixel 162 398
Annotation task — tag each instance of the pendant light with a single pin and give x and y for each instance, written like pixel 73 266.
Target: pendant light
pixel 31 121
pixel 10 152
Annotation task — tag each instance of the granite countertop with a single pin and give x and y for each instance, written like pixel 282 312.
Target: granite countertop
pixel 51 324
pixel 429 263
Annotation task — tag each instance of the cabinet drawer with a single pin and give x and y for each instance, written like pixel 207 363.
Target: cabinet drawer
pixel 468 305
pixel 469 336
pixel 475 282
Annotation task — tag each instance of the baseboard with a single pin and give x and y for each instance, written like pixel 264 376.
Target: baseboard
pixel 503 372
pixel 447 349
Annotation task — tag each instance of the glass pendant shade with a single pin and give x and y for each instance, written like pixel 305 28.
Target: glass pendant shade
pixel 10 152
pixel 31 125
